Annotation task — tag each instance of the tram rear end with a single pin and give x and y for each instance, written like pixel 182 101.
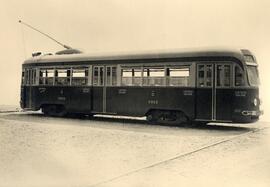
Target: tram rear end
pixel 246 99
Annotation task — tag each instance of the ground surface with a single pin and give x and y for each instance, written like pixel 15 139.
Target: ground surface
pixel 43 151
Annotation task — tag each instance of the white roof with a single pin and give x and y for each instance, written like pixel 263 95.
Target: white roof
pixel 237 53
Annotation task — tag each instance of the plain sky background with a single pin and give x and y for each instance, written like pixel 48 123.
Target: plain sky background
pixel 131 25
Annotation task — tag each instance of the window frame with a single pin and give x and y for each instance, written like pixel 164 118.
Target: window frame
pixel 231 77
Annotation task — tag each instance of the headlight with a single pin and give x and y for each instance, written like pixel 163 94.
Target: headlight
pixel 255 102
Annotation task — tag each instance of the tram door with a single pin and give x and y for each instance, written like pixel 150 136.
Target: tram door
pixel 30 81
pixel 99 89
pixel 104 77
pixel 205 94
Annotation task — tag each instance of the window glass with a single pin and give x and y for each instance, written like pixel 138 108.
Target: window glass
pixel 239 77
pixel 137 76
pixel 253 76
pixel 137 72
pixel 249 58
pixel 179 72
pixel 46 76
pixel 146 72
pixel 156 72
pixel 201 75
pixel 29 74
pixel 42 76
pixel 79 76
pixel 98 76
pixel 23 78
pixel 223 75
pixel 126 72
pixel 208 75
pixel 49 77
pixel 50 73
pixel 205 75
pixel 114 76
pixel 33 82
pixel 227 75
pixel 62 77
pixel 219 75
pixel 126 79
pixel 95 77
pixel 108 76
pixel 131 76
pixel 178 76
pixel 78 73
pixel 153 76
pixel 101 76
pixel 111 76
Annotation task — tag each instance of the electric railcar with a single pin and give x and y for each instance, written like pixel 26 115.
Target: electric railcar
pixel 179 87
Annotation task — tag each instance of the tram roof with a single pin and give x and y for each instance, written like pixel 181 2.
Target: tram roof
pixel 186 53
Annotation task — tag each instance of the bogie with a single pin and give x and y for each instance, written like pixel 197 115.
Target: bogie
pixel 170 117
pixel 54 110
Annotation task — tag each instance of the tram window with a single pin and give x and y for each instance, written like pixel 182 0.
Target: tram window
pixel 95 77
pixel 208 75
pixel 98 76
pixel 126 72
pixel 178 76
pixel 111 76
pixel 42 76
pixel 219 75
pixel 114 76
pixel 108 76
pixel 201 75
pixel 23 77
pixel 62 77
pixel 26 77
pixel 223 75
pixel 239 78
pixel 127 76
pixel 179 72
pixel 205 75
pixel 79 77
pixel 227 75
pixel 49 77
pixel 137 76
pixel 153 76
pixel 46 76
pixel 101 72
pixel 33 78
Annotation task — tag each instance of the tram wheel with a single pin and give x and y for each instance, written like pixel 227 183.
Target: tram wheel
pixel 167 117
pixel 151 117
pixel 54 110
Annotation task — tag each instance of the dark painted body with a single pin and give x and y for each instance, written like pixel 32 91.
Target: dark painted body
pixel 207 104
pixel 137 101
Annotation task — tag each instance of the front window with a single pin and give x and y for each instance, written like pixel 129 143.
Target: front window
pixel 253 76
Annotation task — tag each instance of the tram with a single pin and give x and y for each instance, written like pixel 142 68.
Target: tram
pixel 199 86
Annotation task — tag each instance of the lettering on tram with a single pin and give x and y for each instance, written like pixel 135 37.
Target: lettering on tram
pixel 184 87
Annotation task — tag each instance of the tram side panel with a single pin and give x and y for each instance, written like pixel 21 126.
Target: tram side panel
pixel 224 100
pixel 137 101
pixel 204 104
pixel 74 99
pixel 47 95
pixel 79 99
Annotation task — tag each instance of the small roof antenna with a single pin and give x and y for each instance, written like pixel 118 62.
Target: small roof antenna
pixel 69 50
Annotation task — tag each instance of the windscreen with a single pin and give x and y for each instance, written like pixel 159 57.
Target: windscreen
pixel 253 76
